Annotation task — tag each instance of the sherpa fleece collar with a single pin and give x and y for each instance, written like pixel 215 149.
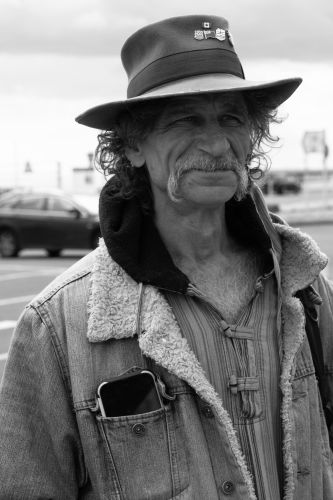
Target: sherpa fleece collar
pixel 114 295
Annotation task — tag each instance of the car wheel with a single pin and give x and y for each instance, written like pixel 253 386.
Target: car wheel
pixel 53 252
pixel 8 243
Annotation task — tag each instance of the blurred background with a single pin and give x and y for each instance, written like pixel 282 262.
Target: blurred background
pixel 59 58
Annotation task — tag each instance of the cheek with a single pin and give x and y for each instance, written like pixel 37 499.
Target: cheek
pixel 156 172
pixel 240 143
pixel 157 151
pixel 157 166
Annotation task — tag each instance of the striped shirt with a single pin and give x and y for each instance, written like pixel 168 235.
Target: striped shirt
pixel 242 362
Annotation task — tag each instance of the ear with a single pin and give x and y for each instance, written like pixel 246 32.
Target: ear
pixel 135 156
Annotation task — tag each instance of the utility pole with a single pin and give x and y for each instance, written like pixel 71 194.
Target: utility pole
pixel 59 176
pixel 28 178
pixel 90 161
pixel 325 156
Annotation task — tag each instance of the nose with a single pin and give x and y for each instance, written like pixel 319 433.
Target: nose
pixel 213 141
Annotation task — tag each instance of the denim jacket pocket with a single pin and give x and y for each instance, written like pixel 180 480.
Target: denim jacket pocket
pixel 311 436
pixel 148 459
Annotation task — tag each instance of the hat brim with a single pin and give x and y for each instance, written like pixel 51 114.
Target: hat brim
pixel 274 93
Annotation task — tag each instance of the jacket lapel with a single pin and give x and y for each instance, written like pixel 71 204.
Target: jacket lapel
pixel 301 262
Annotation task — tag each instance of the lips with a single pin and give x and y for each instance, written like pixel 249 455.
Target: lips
pixel 210 170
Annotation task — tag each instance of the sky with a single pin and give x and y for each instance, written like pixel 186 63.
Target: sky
pixel 58 58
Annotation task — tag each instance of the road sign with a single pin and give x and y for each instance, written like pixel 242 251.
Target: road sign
pixel 314 141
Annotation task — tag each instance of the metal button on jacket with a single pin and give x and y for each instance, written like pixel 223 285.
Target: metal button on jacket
pixel 228 487
pixel 139 429
pixel 207 411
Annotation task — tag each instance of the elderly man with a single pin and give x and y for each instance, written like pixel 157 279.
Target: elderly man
pixel 173 361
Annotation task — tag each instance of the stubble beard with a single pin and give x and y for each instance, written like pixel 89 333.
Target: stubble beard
pixel 207 164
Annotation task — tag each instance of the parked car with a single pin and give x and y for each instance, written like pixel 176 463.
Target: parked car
pixel 281 184
pixel 4 190
pixel 50 220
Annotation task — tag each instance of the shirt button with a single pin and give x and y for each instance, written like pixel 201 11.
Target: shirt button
pixel 228 487
pixel 139 429
pixel 207 411
pixel 225 328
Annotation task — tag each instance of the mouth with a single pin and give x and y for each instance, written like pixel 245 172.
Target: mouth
pixel 210 171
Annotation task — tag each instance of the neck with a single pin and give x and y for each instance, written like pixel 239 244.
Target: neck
pixel 194 235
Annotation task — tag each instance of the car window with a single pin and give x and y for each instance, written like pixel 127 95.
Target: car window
pixel 7 200
pixel 30 202
pixel 60 204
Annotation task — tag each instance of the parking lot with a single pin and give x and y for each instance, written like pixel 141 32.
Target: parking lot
pixel 22 278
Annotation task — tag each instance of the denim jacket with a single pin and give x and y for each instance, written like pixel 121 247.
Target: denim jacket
pixel 84 329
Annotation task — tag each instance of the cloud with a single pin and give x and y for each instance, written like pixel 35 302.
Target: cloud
pixel 78 27
pixel 70 77
pixel 279 28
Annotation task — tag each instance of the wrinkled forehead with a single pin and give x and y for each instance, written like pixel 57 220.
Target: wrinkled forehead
pixel 143 118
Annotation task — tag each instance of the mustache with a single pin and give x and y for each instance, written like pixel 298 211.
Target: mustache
pixel 207 164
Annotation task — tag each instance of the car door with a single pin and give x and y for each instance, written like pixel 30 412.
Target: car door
pixel 28 218
pixel 70 226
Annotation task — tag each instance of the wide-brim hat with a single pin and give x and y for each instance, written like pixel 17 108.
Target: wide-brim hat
pixel 180 56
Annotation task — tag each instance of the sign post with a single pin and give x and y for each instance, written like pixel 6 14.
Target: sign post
pixel 315 142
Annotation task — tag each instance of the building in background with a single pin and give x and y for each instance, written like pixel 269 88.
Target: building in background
pixel 86 180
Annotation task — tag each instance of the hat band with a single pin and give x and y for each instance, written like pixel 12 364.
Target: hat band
pixel 183 65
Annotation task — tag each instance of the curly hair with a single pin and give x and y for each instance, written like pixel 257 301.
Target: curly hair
pixel 135 123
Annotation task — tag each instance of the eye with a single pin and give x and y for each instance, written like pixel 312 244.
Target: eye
pixel 231 120
pixel 186 119
pixel 179 121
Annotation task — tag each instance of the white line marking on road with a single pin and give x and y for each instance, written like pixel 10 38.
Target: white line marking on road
pixel 6 325
pixel 14 267
pixel 3 356
pixel 16 300
pixel 31 274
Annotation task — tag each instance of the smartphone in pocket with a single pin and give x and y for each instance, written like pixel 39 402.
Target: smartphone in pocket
pixel 130 394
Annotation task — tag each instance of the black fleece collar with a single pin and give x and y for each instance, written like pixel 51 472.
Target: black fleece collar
pixel 133 240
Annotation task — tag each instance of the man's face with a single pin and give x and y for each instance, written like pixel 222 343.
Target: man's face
pixel 197 152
